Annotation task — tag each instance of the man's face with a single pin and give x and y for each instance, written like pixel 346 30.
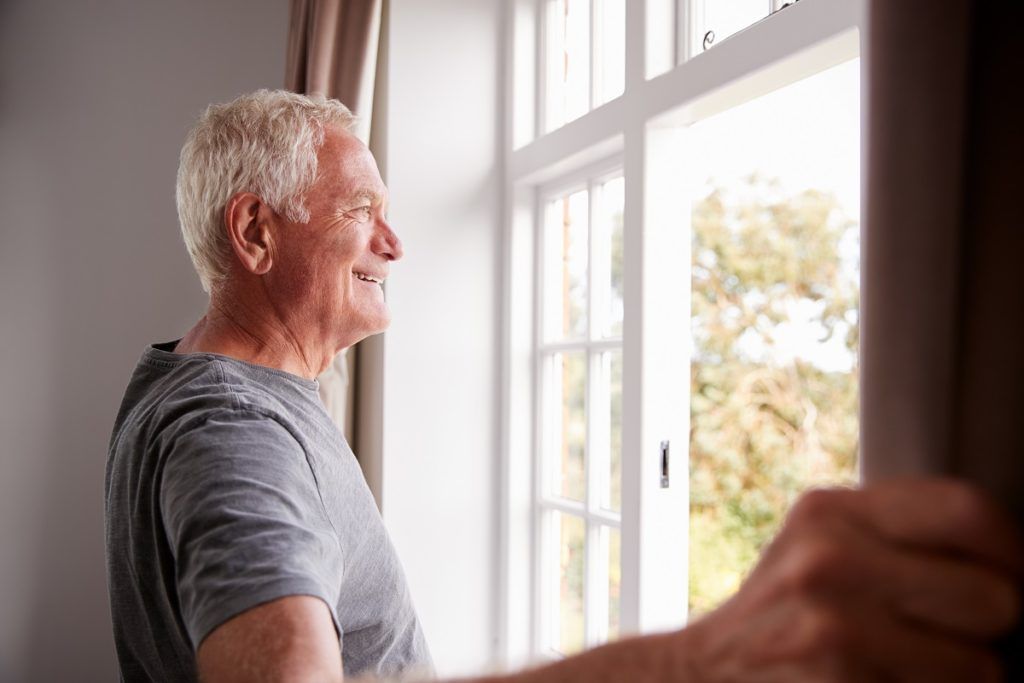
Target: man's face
pixel 330 270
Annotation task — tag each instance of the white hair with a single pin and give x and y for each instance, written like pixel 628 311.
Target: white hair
pixel 266 143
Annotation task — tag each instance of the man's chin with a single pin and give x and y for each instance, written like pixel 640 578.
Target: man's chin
pixel 368 328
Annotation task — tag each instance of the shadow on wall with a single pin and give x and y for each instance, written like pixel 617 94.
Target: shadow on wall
pixel 95 100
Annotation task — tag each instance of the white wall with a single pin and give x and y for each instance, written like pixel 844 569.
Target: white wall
pixel 441 355
pixel 95 100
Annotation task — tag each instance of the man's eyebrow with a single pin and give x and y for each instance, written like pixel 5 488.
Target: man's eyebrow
pixel 366 196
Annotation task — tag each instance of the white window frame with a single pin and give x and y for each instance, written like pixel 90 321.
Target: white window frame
pixel 589 178
pixel 789 45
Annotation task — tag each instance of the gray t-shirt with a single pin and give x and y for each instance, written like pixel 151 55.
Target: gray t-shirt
pixel 228 486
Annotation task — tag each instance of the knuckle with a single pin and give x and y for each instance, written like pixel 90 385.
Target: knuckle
pixel 812 507
pixel 816 564
pixel 825 633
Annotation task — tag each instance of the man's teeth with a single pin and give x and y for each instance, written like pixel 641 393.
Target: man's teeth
pixel 369 278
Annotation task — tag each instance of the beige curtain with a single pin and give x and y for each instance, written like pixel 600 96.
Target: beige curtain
pixel 332 50
pixel 335 48
pixel 943 305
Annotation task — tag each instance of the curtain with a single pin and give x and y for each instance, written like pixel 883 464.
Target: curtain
pixel 942 303
pixel 332 50
pixel 336 48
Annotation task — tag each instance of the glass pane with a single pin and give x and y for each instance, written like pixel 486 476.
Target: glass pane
pixel 565 281
pixel 775 297
pixel 570 424
pixel 608 235
pixel 606 448
pixel 568 61
pixel 726 17
pixel 609 50
pixel 568 632
pixel 614 581
pixel 615 429
pixel 660 36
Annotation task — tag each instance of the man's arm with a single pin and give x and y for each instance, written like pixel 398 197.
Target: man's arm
pixel 258 566
pixel 907 581
pixel 289 640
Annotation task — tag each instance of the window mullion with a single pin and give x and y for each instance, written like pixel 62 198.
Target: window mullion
pixel 548 348
pixel 636 51
pixel 687 21
pixel 590 588
pixel 539 528
pixel 605 517
pixel 592 332
pixel 593 49
pixel 631 385
pixel 541 70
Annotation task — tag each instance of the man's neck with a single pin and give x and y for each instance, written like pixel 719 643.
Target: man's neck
pixel 253 332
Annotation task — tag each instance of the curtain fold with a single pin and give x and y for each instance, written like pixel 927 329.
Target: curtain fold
pixel 332 50
pixel 943 308
pixel 942 303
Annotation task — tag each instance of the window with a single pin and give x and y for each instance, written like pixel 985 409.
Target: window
pixel 774 224
pixel 584 57
pixel 682 243
pixel 715 20
pixel 580 359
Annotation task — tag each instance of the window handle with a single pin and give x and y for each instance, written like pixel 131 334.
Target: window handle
pixel 664 464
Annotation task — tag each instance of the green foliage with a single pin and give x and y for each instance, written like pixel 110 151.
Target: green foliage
pixel 765 425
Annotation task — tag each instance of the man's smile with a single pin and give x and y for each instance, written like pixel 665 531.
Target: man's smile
pixel 369 278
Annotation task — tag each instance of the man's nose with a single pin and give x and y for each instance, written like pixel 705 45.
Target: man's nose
pixel 389 246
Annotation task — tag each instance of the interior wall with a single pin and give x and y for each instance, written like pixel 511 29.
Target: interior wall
pixel 441 356
pixel 95 99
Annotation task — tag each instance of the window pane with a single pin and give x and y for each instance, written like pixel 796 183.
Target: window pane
pixel 609 50
pixel 614 556
pixel 567 634
pixel 568 61
pixel 569 424
pixel 615 418
pixel 775 276
pixel 660 36
pixel 565 280
pixel 608 227
pixel 726 17
pixel 606 449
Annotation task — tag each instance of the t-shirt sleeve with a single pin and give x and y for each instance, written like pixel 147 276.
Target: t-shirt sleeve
pixel 245 521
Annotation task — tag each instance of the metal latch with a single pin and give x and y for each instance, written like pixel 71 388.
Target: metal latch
pixel 664 464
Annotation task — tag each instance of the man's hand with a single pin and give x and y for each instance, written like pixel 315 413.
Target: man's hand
pixel 903 581
pixel 908 581
pixel 289 640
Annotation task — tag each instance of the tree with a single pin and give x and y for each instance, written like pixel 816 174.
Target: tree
pixel 766 423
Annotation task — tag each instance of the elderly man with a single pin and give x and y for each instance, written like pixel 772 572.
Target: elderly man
pixel 243 544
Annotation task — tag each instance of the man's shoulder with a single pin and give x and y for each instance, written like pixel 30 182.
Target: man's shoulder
pixel 169 397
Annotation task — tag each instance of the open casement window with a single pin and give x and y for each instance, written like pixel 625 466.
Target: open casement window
pixel 681 301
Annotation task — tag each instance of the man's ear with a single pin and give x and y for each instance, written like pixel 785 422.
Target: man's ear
pixel 247 221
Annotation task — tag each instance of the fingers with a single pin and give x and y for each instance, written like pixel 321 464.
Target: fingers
pixel 945 592
pixel 901 652
pixel 949 595
pixel 908 580
pixel 941 515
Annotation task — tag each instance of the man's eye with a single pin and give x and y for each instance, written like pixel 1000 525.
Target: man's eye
pixel 362 213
